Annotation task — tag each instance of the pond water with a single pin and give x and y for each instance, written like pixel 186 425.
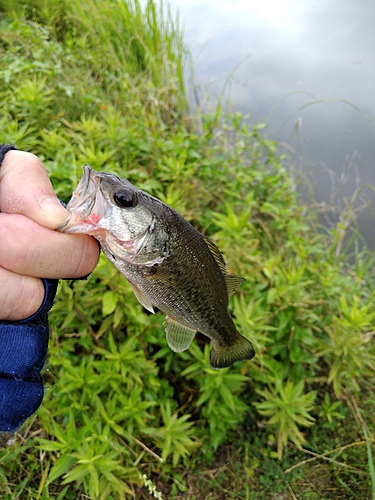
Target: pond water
pixel 273 58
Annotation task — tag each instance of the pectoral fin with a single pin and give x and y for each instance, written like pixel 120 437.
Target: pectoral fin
pixel 142 298
pixel 179 337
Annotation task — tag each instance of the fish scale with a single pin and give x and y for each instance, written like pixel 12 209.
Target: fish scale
pixel 168 263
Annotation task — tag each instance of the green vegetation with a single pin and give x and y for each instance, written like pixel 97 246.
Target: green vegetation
pixel 87 81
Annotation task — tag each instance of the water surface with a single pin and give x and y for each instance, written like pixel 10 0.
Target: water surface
pixel 260 52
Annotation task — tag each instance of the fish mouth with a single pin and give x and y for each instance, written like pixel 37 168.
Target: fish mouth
pixel 81 203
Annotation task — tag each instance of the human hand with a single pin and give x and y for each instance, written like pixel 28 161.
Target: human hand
pixel 30 248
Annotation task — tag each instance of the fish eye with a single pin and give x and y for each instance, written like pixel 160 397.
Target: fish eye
pixel 124 198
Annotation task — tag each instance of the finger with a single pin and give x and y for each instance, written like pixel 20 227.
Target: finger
pixel 20 296
pixel 29 249
pixel 25 189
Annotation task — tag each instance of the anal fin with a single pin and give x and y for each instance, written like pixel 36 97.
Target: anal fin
pixel 179 337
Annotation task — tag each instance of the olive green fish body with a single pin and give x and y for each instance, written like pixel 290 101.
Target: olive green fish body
pixel 178 284
pixel 168 263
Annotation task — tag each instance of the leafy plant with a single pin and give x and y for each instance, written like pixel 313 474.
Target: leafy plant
pixel 346 350
pixel 173 437
pixel 219 396
pixel 288 408
pixel 331 411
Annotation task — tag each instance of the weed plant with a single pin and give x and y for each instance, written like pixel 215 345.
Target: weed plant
pixel 101 83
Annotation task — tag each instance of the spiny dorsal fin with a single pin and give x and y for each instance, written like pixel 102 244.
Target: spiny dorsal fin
pixel 233 282
pixel 217 255
pixel 179 337
pixel 142 298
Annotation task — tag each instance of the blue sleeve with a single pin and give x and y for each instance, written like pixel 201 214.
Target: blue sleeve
pixel 23 351
pixel 4 148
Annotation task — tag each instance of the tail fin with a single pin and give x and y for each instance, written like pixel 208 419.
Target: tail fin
pixel 221 357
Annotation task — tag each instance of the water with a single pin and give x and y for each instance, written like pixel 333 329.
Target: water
pixel 271 58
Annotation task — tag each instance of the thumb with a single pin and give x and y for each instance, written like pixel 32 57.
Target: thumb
pixel 52 213
pixel 25 189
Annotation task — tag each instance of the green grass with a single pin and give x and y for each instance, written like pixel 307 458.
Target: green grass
pixel 101 83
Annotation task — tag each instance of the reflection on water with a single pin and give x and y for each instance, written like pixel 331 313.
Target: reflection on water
pixel 311 51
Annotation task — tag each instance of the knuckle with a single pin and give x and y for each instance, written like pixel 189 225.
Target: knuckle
pixel 20 296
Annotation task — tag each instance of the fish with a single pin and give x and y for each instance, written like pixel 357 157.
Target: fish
pixel 168 263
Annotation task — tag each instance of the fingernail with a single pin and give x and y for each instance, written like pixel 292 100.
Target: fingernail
pixel 53 210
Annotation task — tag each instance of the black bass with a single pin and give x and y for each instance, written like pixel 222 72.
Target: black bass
pixel 167 262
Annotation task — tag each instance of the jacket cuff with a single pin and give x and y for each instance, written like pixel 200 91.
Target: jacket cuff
pixel 23 352
pixel 4 148
pixel 50 289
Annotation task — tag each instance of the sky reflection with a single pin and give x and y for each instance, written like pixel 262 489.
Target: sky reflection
pixel 287 46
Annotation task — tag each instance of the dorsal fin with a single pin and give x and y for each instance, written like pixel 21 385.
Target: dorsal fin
pixel 216 254
pixel 232 282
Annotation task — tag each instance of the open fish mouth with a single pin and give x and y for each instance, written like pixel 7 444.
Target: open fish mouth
pixel 85 193
pixel 82 202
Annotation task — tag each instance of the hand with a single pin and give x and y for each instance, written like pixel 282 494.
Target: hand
pixel 30 248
